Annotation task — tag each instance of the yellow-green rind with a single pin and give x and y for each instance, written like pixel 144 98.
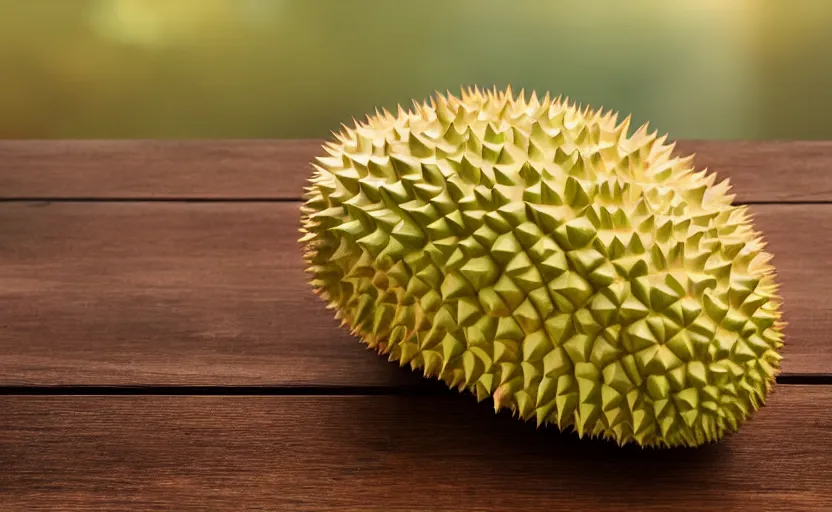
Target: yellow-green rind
pixel 538 253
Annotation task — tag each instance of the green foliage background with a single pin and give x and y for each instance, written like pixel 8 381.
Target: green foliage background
pixel 752 69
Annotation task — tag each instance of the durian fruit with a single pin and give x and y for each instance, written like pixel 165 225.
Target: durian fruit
pixel 538 253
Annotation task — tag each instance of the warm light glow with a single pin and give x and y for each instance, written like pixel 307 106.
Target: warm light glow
pixel 298 68
pixel 162 22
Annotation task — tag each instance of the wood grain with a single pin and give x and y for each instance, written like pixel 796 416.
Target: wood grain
pixel 440 453
pixel 127 293
pixel 790 171
pixel 214 294
pixel 155 169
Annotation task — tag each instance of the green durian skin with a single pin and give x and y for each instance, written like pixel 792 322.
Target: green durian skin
pixel 540 254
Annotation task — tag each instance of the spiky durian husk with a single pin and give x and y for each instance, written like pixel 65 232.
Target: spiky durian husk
pixel 537 253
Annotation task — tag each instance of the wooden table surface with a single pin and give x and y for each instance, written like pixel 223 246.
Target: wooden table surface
pixel 161 350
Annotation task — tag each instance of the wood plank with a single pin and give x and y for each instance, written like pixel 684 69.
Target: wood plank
pixel 155 169
pixel 439 453
pixel 790 171
pixel 207 294
pixel 160 293
pixel 768 171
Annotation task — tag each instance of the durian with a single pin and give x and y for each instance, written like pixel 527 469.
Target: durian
pixel 538 253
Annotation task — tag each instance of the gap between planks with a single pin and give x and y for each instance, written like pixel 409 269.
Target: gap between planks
pixel 429 387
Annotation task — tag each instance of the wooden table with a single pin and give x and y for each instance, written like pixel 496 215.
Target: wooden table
pixel 161 350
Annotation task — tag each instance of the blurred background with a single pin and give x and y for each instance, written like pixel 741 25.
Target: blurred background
pixel 728 69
